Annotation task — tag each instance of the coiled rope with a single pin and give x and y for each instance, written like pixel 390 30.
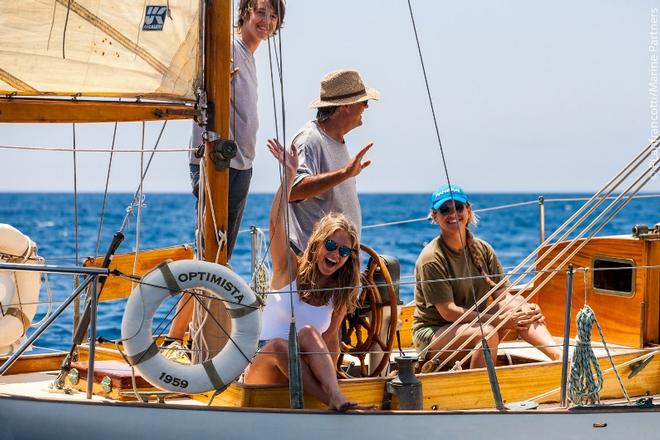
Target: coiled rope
pixel 261 277
pixel 586 378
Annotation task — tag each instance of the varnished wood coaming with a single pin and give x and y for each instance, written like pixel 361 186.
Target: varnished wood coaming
pixel 456 390
pixel 116 287
pixel 31 363
pixel 627 320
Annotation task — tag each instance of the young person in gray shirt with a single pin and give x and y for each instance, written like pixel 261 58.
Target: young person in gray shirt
pixel 325 181
pixel 257 21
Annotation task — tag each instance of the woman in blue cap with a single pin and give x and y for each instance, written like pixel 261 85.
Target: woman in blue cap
pixel 454 269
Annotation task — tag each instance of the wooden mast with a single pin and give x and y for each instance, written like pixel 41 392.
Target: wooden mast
pixel 217 55
pixel 217 83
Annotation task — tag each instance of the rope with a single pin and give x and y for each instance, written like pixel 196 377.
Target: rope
pixel 261 277
pixel 586 378
pixel 201 200
pixel 220 235
pixel 49 302
pixel 66 25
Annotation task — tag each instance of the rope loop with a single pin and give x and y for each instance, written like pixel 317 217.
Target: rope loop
pixel 586 378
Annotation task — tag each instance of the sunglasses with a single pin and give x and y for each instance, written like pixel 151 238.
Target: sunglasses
pixel 331 245
pixel 448 208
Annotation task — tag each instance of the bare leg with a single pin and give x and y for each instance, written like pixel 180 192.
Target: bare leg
pixel 271 366
pixel 538 335
pixel 318 373
pixel 322 367
pixel 184 311
pixel 266 367
pixel 471 333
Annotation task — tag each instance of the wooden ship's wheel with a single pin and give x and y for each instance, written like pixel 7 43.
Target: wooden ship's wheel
pixel 362 329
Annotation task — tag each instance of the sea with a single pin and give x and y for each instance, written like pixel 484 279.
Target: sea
pixel 394 224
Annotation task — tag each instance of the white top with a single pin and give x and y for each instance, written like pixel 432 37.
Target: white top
pixel 277 314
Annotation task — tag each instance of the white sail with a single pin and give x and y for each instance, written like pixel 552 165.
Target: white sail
pixel 128 48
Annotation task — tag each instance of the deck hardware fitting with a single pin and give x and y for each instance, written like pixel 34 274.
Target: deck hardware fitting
pixel 638 366
pixel 73 376
pixel 106 384
pixel 522 406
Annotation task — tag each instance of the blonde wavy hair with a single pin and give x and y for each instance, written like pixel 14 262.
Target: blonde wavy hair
pixel 344 290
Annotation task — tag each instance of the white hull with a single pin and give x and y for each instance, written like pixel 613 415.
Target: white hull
pixel 26 418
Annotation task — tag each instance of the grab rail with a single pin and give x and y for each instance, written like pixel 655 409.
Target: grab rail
pixel 93 274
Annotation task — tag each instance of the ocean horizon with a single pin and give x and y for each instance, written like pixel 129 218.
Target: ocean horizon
pixel 393 224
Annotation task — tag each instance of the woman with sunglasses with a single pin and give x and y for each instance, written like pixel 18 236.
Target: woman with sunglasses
pixel 320 287
pixel 453 270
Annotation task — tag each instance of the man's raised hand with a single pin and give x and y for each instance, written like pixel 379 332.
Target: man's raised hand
pixel 355 166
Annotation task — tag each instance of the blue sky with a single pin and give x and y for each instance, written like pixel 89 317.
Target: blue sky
pixel 529 97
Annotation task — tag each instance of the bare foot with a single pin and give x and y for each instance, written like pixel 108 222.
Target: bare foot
pixel 347 405
pixel 344 405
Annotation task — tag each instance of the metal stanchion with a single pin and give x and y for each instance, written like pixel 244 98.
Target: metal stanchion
pixel 567 334
pixel 542 218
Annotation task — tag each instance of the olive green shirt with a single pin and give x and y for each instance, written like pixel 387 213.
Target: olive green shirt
pixel 437 263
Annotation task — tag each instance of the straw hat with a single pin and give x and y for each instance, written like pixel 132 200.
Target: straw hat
pixel 342 87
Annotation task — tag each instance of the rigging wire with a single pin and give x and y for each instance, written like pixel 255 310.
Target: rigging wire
pixel 75 195
pixel 140 205
pixel 294 370
pixel 262 262
pixel 585 211
pixel 635 187
pixel 282 168
pixel 277 51
pixel 76 307
pixel 105 191
pixel 485 347
pixel 129 209
pixel 272 85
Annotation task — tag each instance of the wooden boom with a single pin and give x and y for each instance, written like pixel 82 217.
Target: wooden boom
pixel 32 110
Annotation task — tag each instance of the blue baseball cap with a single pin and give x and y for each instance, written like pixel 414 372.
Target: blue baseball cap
pixel 446 193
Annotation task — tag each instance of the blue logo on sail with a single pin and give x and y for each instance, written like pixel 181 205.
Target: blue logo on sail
pixel 154 18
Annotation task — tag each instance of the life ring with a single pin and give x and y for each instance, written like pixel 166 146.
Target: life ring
pixel 19 290
pixel 169 279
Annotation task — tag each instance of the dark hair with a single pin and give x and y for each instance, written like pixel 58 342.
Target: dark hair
pixel 245 6
pixel 325 113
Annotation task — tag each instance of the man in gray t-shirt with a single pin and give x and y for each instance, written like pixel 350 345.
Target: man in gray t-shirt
pixel 325 181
